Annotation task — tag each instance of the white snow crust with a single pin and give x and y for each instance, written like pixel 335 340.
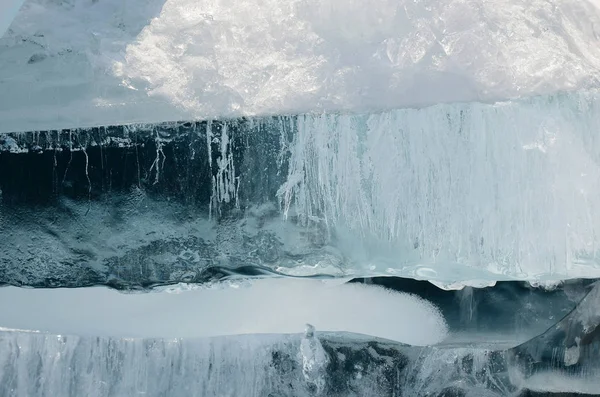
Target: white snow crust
pixel 264 306
pixel 78 63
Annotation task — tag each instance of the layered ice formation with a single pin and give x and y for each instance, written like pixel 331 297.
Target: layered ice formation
pixel 82 63
pixel 453 193
pixel 462 180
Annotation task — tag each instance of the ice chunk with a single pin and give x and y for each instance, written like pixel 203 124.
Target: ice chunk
pixel 251 366
pixel 314 360
pixel 458 194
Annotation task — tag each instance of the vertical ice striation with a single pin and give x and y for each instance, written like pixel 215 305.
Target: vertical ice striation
pixel 50 365
pixel 508 187
pixel 224 183
pixel 498 191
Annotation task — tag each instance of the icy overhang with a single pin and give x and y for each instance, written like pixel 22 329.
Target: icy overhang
pixel 78 63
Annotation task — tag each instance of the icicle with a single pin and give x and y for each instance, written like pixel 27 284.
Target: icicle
pixel 157 161
pixel 87 175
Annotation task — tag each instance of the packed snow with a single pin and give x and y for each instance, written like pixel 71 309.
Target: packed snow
pixel 263 306
pixel 80 63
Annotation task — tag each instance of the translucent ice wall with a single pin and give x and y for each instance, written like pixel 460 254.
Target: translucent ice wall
pixel 45 365
pixel 512 188
pixel 252 366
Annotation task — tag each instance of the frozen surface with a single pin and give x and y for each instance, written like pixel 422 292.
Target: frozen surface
pixel 8 11
pixel 265 306
pixel 82 63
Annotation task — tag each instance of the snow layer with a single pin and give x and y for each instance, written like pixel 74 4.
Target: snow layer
pixel 265 306
pixel 8 11
pixel 82 62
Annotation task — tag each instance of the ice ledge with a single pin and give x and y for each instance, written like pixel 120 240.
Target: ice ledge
pixel 146 113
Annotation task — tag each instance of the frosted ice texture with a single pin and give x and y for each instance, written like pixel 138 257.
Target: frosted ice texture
pixel 511 188
pixel 314 360
pixel 82 63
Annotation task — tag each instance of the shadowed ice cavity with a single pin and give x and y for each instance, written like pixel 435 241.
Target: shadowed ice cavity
pixel 567 356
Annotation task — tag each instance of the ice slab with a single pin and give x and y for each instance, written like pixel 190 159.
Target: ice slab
pixel 82 63
pixel 265 306
pixel 458 194
pixel 316 363
pixel 566 358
